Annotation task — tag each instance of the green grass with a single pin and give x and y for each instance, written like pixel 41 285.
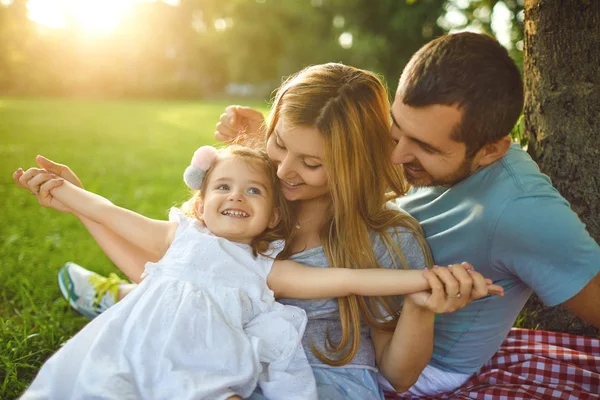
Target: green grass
pixel 132 152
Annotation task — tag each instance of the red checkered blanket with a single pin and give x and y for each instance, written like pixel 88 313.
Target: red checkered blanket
pixel 534 364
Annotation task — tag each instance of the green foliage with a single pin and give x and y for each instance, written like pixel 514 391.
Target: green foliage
pixel 198 47
pixel 388 32
pixel 132 152
pixel 517 134
pixel 478 14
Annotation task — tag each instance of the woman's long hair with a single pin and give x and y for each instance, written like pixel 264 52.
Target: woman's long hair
pixel 350 108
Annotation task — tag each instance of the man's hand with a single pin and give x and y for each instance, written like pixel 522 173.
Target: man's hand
pixel 238 120
pixel 41 181
pixel 453 288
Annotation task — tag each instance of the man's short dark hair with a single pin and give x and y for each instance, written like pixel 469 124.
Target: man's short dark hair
pixel 473 72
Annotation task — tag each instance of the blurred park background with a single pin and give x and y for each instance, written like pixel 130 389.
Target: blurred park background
pixel 123 91
pixel 206 48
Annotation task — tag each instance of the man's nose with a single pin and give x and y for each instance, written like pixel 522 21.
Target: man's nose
pixel 402 153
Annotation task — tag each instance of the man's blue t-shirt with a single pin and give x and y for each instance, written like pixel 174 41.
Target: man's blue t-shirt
pixel 516 229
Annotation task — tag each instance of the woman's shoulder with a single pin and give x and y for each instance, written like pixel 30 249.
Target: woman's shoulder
pixel 400 237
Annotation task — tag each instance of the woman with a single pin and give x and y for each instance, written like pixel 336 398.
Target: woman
pixel 328 132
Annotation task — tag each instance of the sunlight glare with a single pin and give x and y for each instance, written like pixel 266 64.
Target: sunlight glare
pixel 93 16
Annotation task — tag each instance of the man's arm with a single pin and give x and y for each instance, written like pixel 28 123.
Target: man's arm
pixel 543 242
pixel 584 304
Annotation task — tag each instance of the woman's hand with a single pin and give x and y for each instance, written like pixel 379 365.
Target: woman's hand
pixel 238 120
pixel 41 181
pixel 452 288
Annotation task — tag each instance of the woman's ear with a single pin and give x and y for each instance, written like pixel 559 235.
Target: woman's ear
pixel 492 152
pixel 275 218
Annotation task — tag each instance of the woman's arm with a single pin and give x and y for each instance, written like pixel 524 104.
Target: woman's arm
pixel 402 355
pixel 153 236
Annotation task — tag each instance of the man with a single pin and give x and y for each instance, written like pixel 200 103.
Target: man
pixel 478 198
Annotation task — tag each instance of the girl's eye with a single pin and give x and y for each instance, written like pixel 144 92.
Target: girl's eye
pixel 223 187
pixel 253 190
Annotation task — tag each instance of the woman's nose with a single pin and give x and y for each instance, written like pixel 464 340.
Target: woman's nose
pixel 285 168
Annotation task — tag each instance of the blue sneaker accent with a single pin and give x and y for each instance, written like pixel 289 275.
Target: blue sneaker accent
pixel 88 293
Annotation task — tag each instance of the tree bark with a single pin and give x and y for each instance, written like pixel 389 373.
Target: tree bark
pixel 562 117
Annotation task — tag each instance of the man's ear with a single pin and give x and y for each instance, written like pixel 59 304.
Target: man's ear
pixel 275 218
pixel 492 152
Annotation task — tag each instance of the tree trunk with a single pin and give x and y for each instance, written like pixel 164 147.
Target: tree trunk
pixel 562 117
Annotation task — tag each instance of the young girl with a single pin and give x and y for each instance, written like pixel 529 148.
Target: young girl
pixel 204 320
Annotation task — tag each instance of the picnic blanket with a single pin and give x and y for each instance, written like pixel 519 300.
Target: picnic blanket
pixel 533 364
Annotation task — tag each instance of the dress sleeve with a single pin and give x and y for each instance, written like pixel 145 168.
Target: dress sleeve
pixel 543 243
pixel 176 215
pixel 266 261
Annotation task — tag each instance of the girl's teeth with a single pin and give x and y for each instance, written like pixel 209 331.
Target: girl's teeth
pixel 235 213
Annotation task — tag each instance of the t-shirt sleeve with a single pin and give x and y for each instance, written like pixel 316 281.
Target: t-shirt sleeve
pixel 411 251
pixel 408 245
pixel 543 242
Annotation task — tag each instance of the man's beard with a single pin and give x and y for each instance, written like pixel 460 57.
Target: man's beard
pixel 463 171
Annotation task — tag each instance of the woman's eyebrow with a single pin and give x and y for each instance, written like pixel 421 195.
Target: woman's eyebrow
pixel 278 137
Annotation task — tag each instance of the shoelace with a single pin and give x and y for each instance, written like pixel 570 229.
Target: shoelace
pixel 104 285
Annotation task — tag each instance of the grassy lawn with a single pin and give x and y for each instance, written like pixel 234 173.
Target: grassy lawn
pixel 132 152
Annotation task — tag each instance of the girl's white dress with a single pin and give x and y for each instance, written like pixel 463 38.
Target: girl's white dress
pixel 202 325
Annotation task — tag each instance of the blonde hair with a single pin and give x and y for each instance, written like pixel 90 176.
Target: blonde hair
pixel 255 159
pixel 350 108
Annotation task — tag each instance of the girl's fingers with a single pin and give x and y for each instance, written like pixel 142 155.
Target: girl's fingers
pixel 34 183
pixel 480 288
pixel 45 197
pixel 28 175
pixel 437 298
pixel 16 175
pixel 495 290
pixel 451 284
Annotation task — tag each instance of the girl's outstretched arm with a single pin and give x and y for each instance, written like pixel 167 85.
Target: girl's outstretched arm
pixel 290 279
pixel 152 236
pixel 130 259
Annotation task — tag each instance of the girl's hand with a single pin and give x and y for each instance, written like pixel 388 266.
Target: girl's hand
pixel 238 120
pixel 454 287
pixel 41 181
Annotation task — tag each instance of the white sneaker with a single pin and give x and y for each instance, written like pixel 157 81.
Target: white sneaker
pixel 87 292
